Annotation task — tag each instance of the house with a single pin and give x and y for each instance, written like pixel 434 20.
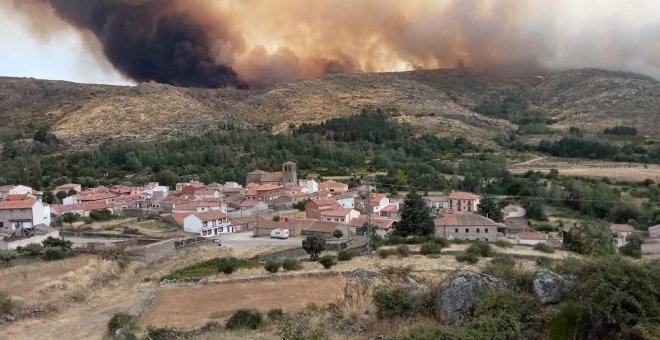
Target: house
pixel 314 208
pixel 249 208
pixel 651 246
pixel 15 216
pixel 190 189
pixel 378 202
pixel 382 226
pixel 179 217
pixel 264 192
pixel 437 203
pixel 14 190
pixel 345 200
pixel 180 186
pixel 289 174
pixel 341 215
pixel 203 194
pixel 60 209
pixel 467 226
pixel 66 188
pixel 325 229
pixel 391 211
pixel 311 185
pixel 332 186
pixel 516 224
pixel 654 231
pixel 531 238
pixel 463 201
pixel 88 196
pixel 298 197
pixel 97 205
pixel 513 210
pixel 210 205
pixel 154 189
pixel 366 189
pixel 621 232
pixel 243 223
pixel 208 223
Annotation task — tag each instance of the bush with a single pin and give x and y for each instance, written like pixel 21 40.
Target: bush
pixel 504 268
pixel 544 262
pixel 272 266
pixel 429 248
pixel 403 250
pixel 32 250
pixel 54 253
pixel 503 244
pixel 164 333
pixel 467 257
pixel 427 331
pixel 245 319
pixel 7 305
pixel 225 265
pixel 400 271
pixel 327 261
pixel 480 248
pixel 394 240
pixel 275 314
pixel 385 253
pixel 346 255
pixel 88 220
pixel 544 248
pixel 442 242
pixel 391 302
pixel 120 320
pixel 100 215
pixel 291 264
pixel 298 327
pixel 56 242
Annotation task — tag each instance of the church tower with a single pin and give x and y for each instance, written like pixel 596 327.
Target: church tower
pixel 290 173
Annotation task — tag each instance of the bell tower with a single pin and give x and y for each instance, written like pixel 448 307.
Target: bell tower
pixel 290 173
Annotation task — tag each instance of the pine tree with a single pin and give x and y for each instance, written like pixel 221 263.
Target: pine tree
pixel 416 217
pixel 487 207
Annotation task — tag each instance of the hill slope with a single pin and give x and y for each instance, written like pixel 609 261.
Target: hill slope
pixel 436 101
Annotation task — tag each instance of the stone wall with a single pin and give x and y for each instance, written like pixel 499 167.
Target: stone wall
pixel 152 252
pixel 282 254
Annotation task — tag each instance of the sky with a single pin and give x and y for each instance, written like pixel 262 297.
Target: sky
pixel 559 34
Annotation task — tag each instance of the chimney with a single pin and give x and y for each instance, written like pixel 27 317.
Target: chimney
pixel 286 219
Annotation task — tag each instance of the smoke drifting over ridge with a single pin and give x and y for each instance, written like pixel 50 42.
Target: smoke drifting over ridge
pixel 217 43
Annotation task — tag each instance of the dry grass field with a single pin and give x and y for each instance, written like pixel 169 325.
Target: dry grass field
pixel 588 168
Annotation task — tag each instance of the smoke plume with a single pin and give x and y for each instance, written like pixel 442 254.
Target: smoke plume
pixel 220 43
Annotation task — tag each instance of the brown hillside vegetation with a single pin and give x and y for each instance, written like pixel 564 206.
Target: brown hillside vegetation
pixel 435 101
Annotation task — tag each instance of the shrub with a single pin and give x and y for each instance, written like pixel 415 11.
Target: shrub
pixel 327 261
pixel 544 262
pixel 403 250
pixel 400 271
pixel 53 253
pixel 385 253
pixel 275 314
pixel 120 320
pixel 32 250
pixel 100 215
pixel 544 248
pixel 272 266
pixel 57 242
pixel 503 244
pixel 245 319
pixel 480 248
pixel 467 257
pixel 393 240
pixel 427 331
pixel 391 302
pixel 504 268
pixel 442 242
pixel 7 255
pixel 298 327
pixel 291 264
pixel 88 220
pixel 226 265
pixel 7 305
pixel 565 324
pixel 164 333
pixel 429 248
pixel 346 255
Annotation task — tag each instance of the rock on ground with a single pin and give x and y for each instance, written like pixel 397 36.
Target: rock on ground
pixel 458 293
pixel 548 286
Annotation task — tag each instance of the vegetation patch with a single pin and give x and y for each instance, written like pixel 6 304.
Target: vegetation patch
pixel 245 319
pixel 291 264
pixel 214 266
pixel 328 261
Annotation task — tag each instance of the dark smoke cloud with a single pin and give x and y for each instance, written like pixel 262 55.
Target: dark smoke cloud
pixel 218 43
pixel 151 40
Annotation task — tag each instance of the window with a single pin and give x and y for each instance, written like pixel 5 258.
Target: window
pixel 456 230
pixel 486 230
pixel 478 230
pixel 467 230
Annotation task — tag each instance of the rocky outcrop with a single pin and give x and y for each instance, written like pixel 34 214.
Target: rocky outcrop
pixel 458 293
pixel 548 286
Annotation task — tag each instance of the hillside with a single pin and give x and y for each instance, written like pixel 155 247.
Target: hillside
pixel 436 101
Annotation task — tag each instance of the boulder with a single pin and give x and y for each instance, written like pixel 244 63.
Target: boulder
pixel 363 274
pixel 458 293
pixel 548 286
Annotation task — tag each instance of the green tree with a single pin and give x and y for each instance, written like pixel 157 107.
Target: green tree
pixel 48 197
pixel 489 208
pixel 100 214
pixel 71 192
pixel 534 209
pixel 416 217
pixel 634 246
pixel 313 245
pixel 51 242
pixel 61 195
pixel 32 249
pixel 590 238
pixel 7 255
pixel 337 233
pixel 70 218
pixel 400 179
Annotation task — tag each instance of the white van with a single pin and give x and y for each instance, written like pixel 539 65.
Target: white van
pixel 280 233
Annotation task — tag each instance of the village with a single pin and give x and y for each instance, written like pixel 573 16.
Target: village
pixel 271 204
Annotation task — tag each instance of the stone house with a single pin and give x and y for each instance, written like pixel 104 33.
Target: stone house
pixel 467 226
pixel 463 201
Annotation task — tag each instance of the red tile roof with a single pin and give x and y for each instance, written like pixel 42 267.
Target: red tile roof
pixel 655 227
pixel 465 219
pixel 210 215
pixel 336 212
pixel 460 195
pixel 297 194
pixel 378 221
pixel 179 217
pixel 390 208
pixel 19 197
pixel 25 204
pixel 89 206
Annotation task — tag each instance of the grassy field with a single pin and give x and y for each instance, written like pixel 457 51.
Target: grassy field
pixel 570 167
